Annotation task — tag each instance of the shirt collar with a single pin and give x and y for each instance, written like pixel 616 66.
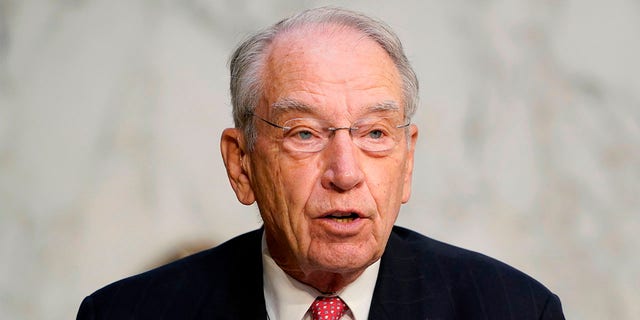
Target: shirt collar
pixel 288 299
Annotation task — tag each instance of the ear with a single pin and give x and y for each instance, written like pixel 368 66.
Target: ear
pixel 236 161
pixel 413 137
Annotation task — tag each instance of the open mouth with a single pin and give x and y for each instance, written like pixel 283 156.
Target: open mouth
pixel 342 217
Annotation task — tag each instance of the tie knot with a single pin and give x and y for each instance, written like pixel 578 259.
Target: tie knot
pixel 328 308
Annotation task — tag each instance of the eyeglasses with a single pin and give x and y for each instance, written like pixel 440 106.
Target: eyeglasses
pixel 376 134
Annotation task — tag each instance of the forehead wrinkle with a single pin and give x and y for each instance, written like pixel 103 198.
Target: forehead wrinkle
pixel 286 105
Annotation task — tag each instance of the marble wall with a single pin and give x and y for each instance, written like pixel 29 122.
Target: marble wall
pixel 111 112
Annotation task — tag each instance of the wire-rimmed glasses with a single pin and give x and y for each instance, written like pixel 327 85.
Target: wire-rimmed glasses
pixel 373 134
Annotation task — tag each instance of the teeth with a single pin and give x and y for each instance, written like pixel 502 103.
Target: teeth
pixel 343 219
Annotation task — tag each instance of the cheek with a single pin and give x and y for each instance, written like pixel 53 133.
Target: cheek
pixel 267 182
pixel 385 177
pixel 301 177
pixel 285 185
pixel 386 185
pixel 265 185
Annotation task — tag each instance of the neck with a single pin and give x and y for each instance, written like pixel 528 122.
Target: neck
pixel 325 282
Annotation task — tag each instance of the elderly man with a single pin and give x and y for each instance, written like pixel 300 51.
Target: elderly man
pixel 323 143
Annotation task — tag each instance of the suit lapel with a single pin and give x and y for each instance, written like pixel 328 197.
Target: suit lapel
pixel 409 285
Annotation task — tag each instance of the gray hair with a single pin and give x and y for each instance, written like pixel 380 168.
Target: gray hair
pixel 247 62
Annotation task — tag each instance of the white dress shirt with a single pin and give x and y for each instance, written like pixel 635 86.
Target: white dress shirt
pixel 288 299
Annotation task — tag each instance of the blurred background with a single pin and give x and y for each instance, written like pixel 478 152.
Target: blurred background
pixel 111 113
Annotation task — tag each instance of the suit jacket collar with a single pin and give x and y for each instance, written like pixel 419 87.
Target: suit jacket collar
pixel 404 291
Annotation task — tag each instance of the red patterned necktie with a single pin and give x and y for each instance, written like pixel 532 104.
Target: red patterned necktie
pixel 328 308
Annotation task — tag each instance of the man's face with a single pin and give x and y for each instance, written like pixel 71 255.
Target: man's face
pixel 332 210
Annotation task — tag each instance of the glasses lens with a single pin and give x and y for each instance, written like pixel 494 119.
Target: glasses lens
pixel 304 135
pixel 312 135
pixel 377 134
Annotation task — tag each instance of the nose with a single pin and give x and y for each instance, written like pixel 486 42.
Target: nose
pixel 342 169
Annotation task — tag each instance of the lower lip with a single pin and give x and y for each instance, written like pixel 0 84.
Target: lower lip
pixel 342 229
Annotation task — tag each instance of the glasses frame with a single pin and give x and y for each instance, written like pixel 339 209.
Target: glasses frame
pixel 332 130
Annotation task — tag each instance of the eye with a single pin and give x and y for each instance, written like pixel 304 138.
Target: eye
pixel 304 134
pixel 375 134
pixel 373 131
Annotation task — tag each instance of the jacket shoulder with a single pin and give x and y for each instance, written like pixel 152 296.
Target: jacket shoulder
pixel 196 286
pixel 458 282
pixel 455 261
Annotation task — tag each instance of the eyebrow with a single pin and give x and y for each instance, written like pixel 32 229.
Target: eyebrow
pixel 388 105
pixel 287 105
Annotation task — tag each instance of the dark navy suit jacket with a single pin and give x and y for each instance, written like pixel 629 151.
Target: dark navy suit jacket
pixel 419 278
